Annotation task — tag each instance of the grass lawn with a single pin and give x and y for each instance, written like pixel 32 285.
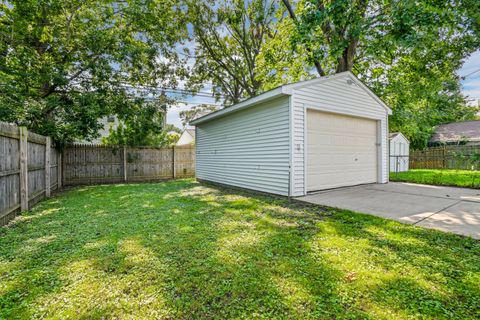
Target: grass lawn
pixel 181 250
pixel 458 178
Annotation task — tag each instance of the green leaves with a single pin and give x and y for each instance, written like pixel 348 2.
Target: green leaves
pixel 228 37
pixel 67 63
pixel 408 52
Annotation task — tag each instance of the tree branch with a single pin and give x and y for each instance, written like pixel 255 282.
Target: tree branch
pixel 319 68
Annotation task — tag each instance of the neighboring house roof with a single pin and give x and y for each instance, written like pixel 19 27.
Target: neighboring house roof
pixel 457 131
pixel 286 90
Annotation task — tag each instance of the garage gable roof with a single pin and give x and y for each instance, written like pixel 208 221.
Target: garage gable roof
pixel 287 89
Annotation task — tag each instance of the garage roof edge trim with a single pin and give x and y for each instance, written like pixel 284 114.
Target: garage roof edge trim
pixel 285 90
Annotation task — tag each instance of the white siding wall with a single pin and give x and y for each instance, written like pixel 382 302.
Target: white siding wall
pixel 334 95
pixel 248 149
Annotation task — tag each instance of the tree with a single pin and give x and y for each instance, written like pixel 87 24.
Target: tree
pixel 407 51
pixel 421 95
pixel 195 112
pixel 337 33
pixel 281 61
pixel 134 134
pixel 228 36
pixel 66 63
pixel 141 125
pixel 172 128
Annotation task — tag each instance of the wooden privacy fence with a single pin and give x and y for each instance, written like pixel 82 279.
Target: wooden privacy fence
pixel 29 170
pixel 92 164
pixel 446 157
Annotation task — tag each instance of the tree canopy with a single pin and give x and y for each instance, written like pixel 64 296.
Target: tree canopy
pixel 65 64
pixel 407 51
pixel 195 112
pixel 228 36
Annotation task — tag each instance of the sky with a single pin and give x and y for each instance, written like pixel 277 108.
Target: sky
pixel 470 87
pixel 173 112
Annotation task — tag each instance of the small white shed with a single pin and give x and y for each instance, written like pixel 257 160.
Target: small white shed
pixel 399 152
pixel 313 135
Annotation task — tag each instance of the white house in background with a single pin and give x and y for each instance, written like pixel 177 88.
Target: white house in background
pixel 106 123
pixel 187 137
pixel 399 152
pixel 474 103
pixel 313 135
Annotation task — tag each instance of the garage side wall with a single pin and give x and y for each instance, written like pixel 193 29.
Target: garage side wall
pixel 337 96
pixel 248 149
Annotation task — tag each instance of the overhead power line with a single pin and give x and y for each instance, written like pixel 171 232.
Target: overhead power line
pixel 190 102
pixel 166 89
pixel 174 90
pixel 471 73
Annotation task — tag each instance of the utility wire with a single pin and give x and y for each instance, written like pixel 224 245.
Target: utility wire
pixel 173 90
pixel 471 73
pixel 170 89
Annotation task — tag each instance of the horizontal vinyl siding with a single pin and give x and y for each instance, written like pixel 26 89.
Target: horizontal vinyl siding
pixel 248 149
pixel 335 96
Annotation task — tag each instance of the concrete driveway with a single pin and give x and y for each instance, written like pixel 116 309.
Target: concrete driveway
pixel 449 209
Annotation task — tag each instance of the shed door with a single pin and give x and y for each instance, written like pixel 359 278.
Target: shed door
pixel 341 150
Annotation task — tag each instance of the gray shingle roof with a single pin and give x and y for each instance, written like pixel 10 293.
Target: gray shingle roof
pixel 457 131
pixel 393 134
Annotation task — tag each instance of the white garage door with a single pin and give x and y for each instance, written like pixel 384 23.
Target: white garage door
pixel 342 150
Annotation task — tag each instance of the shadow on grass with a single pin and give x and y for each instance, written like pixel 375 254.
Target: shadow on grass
pixel 182 250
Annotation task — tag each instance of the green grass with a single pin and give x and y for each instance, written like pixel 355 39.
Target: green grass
pixel 458 178
pixel 181 250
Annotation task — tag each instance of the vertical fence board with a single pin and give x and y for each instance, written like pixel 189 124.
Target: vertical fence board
pixel 184 161
pixel 30 165
pixel 47 175
pixel 9 172
pixel 445 157
pixel 23 169
pixel 36 169
pixel 53 168
pixel 98 164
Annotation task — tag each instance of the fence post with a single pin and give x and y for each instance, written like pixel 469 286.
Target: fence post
pixel 23 168
pixel 48 145
pixel 64 166
pixel 444 162
pixel 125 163
pixel 59 170
pixel 174 171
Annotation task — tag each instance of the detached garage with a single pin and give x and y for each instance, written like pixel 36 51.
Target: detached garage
pixel 313 135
